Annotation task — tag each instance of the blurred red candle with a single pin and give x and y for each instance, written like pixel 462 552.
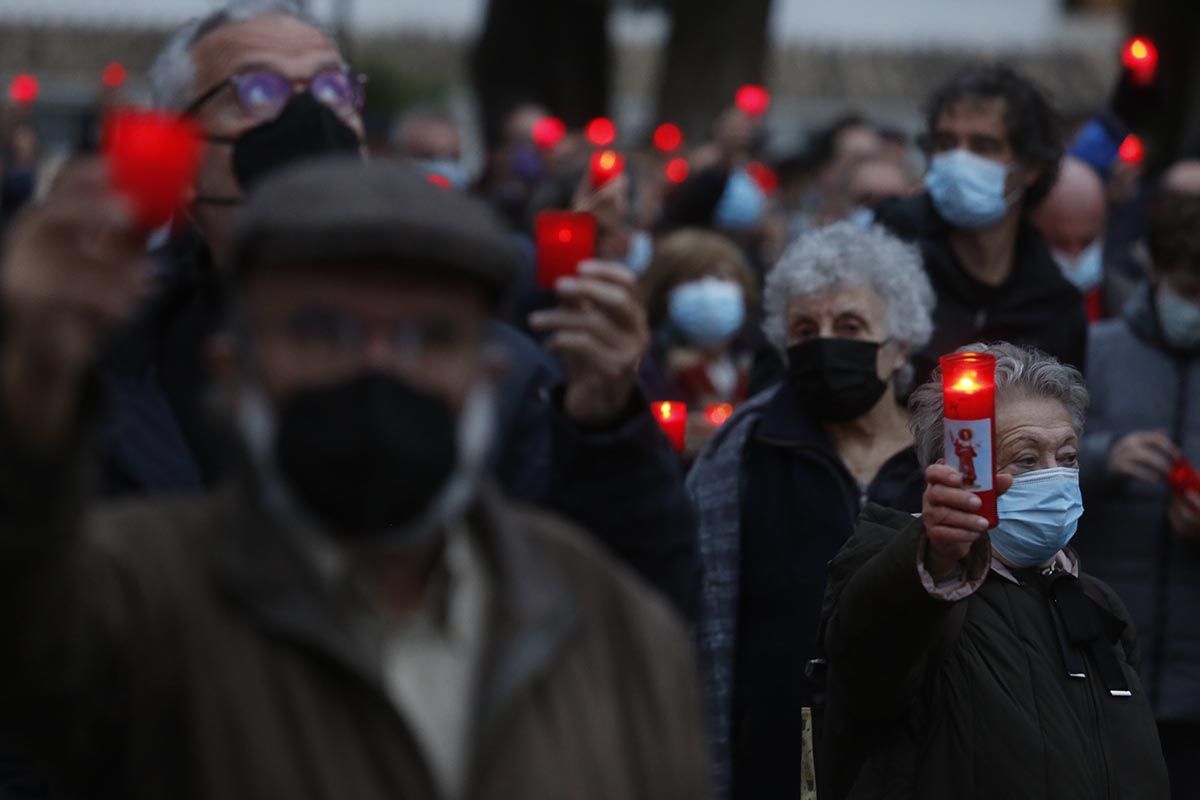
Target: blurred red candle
pixel 672 418
pixel 718 413
pixel 1140 57
pixel 563 239
pixel 969 396
pixel 606 165
pixel 152 159
pixel 753 100
pixel 548 132
pixel 1132 150
pixel 668 137
pixel 1183 477
pixel 601 132
pixel 677 170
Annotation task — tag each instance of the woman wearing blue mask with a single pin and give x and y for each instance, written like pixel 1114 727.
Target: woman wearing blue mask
pixel 779 487
pixel 700 295
pixel 965 662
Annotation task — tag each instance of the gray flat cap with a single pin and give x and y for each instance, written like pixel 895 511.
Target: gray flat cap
pixel 344 210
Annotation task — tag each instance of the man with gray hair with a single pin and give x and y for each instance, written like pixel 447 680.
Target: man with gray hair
pixel 780 485
pixel 968 662
pixel 269 87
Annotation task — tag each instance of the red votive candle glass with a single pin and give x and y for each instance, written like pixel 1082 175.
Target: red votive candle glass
pixel 1183 477
pixel 672 418
pixel 969 399
pixel 563 239
pixel 152 159
pixel 606 165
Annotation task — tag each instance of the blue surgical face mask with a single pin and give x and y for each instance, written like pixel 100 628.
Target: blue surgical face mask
pixel 1085 270
pixel 968 190
pixel 446 168
pixel 640 252
pixel 742 205
pixel 708 311
pixel 1038 516
pixel 1179 319
pixel 862 218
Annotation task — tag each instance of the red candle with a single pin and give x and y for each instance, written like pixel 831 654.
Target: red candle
pixel 606 165
pixel 1183 477
pixel 1140 57
pixel 152 159
pixel 672 418
pixel 668 137
pixel 548 132
pixel 564 239
pixel 718 413
pixel 969 397
pixel 752 99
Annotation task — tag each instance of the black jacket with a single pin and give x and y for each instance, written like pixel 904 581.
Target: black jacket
pixel 791 471
pixel 622 483
pixel 1035 307
pixel 931 699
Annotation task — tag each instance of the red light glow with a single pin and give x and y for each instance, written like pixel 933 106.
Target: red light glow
pixel 764 176
pixel 601 132
pixel 677 170
pixel 754 100
pixel 23 89
pixel 718 413
pixel 1132 150
pixel 113 76
pixel 548 132
pixel 668 137
pixel 1140 57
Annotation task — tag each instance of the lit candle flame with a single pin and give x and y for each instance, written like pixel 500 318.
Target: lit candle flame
pixel 967 383
pixel 608 159
pixel 664 410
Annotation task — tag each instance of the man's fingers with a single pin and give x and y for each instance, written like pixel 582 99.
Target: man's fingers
pixel 614 301
pixel 1002 482
pixel 959 520
pixel 572 319
pixel 609 271
pixel 1155 461
pixel 585 347
pixel 941 536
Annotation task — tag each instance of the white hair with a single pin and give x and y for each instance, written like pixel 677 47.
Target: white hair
pixel 173 73
pixel 1020 372
pixel 846 254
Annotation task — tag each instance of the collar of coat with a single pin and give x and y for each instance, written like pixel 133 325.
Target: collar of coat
pixel 534 614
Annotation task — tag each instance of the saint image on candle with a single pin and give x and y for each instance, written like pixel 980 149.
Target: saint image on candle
pixel 966 450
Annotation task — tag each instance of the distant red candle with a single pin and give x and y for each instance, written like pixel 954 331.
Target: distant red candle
pixel 718 413
pixel 1183 477
pixel 672 418
pixel 606 165
pixel 969 395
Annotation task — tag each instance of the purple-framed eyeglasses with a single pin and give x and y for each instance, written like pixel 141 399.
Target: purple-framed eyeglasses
pixel 262 93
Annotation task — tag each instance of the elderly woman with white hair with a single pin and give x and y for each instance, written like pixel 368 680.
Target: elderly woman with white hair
pixel 778 489
pixel 965 662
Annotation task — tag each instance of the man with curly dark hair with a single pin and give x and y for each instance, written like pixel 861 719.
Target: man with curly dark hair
pixel 994 146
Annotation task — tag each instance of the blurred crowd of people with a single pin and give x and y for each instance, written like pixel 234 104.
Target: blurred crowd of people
pixel 320 490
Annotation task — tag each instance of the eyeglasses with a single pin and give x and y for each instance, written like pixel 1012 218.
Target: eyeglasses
pixel 262 93
pixel 328 335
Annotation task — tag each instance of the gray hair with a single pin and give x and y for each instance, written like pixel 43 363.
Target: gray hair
pixel 1020 372
pixel 844 254
pixel 173 73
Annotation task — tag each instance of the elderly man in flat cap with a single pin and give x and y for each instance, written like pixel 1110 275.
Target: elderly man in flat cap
pixel 360 615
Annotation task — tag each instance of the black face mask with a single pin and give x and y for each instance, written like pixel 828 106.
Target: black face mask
pixel 837 379
pixel 368 455
pixel 305 128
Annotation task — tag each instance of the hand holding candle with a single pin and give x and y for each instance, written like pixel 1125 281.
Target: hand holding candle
pixel 152 159
pixel 969 398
